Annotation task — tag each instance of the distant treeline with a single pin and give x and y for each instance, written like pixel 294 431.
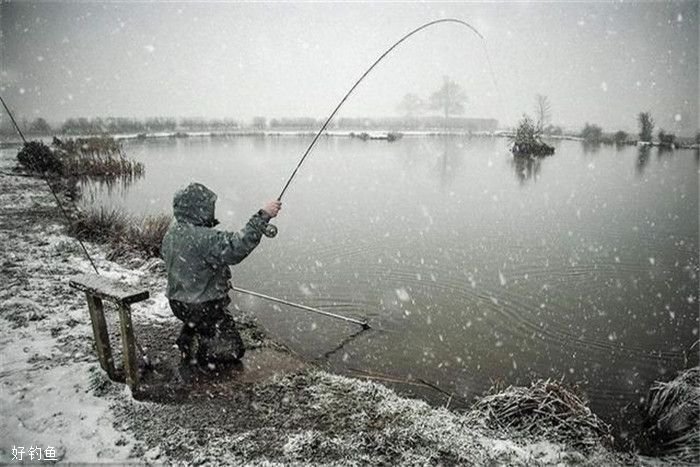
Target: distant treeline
pixel 384 123
pixel 594 134
pixel 420 123
pixel 116 125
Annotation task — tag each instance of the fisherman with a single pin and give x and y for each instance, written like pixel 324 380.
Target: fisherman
pixel 197 259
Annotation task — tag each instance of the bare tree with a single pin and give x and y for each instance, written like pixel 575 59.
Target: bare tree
pixel 543 111
pixel 450 98
pixel 40 127
pixel 259 123
pixel 412 105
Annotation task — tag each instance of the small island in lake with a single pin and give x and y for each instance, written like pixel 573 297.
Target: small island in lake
pixel 527 141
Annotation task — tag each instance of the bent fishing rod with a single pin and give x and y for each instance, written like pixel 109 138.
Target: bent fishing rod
pixel 271 230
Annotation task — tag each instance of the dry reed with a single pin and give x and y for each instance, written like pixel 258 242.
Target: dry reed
pixel 99 156
pixel 122 232
pixel 672 417
pixel 545 409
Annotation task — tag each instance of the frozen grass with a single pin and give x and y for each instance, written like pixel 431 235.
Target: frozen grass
pixel 122 232
pixel 146 235
pixel 316 418
pixel 99 225
pixel 544 409
pixel 673 417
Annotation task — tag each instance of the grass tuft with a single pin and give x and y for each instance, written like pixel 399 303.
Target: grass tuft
pixel 100 225
pixel 672 418
pixel 147 234
pixel 544 409
pixel 124 233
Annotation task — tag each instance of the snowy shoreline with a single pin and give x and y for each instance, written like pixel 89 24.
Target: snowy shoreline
pixel 54 393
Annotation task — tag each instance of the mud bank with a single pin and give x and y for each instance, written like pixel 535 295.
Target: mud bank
pixel 272 409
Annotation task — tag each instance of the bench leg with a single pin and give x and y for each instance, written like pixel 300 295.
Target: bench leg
pixel 99 329
pixel 129 344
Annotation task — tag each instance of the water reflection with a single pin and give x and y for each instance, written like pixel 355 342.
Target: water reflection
pixel 449 160
pixel 642 158
pixel 259 142
pixel 526 168
pixel 92 188
pixel 591 147
pixel 664 151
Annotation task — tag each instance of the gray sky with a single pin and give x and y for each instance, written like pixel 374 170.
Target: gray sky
pixel 601 62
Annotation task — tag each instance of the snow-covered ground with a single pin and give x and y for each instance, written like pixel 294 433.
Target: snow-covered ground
pixel 45 347
pixel 54 395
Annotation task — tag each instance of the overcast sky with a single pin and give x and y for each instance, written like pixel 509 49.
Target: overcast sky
pixel 600 62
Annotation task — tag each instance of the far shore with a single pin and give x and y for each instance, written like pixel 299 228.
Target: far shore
pixel 374 134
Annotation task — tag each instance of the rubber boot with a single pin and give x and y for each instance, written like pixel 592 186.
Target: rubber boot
pixel 231 348
pixel 186 344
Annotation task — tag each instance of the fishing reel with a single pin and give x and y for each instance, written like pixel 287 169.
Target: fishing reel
pixel 270 231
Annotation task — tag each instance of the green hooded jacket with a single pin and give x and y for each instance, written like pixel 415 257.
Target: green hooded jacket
pixel 197 257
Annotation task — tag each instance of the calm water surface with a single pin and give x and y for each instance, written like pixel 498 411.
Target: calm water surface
pixel 475 269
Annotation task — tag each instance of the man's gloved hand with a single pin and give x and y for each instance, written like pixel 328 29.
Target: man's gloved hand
pixel 272 208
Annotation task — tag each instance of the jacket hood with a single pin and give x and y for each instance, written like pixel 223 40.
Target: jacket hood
pixel 195 205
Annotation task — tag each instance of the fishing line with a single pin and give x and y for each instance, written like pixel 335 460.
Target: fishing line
pixel 53 192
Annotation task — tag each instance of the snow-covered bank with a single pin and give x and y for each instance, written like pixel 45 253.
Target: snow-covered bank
pixel 55 395
pixel 45 348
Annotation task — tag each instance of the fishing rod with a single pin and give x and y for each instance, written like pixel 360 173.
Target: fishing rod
pixel 364 324
pixel 13 120
pixel 271 230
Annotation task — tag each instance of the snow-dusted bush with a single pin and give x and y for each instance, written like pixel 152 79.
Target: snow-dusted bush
pixel 527 142
pixel 38 157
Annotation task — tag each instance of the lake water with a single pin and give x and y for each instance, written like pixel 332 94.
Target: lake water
pixel 472 267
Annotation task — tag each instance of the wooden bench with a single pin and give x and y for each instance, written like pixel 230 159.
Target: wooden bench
pixel 99 288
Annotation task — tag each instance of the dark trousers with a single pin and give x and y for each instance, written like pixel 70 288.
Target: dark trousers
pixel 208 332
